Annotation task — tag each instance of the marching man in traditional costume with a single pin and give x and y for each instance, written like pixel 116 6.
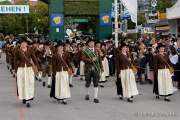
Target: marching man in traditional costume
pixel 69 53
pixel 24 60
pixel 47 64
pixel 60 89
pixel 126 83
pixel 163 85
pixel 93 68
pixel 39 55
pixel 82 64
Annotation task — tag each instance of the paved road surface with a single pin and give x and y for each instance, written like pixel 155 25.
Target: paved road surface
pixel 110 108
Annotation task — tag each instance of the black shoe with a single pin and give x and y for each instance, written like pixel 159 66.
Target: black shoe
pixel 150 81
pixel 64 102
pixel 28 105
pixel 96 100
pixel 71 86
pixel 75 75
pixel 102 86
pixel 167 99
pixel 44 84
pixel 142 82
pixel 157 97
pixel 24 101
pixel 49 86
pixel 11 71
pixel 130 100
pixel 81 79
pixel 121 98
pixel 40 80
pixel 87 97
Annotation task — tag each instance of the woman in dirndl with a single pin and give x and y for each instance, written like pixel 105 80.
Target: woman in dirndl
pixel 163 85
pixel 60 89
pixel 126 83
pixel 23 60
pixel 105 64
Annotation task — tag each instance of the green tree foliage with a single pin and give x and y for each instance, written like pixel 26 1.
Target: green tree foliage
pixel 81 7
pixel 163 4
pixel 16 23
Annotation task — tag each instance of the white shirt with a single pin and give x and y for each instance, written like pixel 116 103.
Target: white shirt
pixel 92 49
pixel 174 59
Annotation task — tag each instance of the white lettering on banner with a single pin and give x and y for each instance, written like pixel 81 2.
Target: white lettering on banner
pixel 14 9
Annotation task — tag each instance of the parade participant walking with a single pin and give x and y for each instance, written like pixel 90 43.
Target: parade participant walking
pixel 82 64
pixel 39 55
pixel 7 51
pixel 69 52
pixel 101 54
pixel 162 74
pixel 105 60
pixel 93 68
pixel 142 62
pixel 150 70
pixel 75 58
pixel 47 64
pixel 126 83
pixel 60 89
pixel 101 48
pixel 111 58
pixel 1 47
pixel 24 59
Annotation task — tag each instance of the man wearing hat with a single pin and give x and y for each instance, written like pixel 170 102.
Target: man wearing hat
pixel 47 64
pixel 93 68
pixel 39 55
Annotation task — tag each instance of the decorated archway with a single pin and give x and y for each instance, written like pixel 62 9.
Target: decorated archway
pixel 59 9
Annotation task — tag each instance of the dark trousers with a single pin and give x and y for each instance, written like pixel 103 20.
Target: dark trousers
pixel 91 75
pixel 111 67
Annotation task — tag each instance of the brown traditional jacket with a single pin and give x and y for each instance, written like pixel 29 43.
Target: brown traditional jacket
pixel 11 53
pixel 122 62
pixel 47 57
pixel 104 54
pixel 60 63
pixel 161 62
pixel 39 55
pixel 21 58
pixel 7 49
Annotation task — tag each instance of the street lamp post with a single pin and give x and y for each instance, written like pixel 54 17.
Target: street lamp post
pixel 116 22
pixel 27 22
